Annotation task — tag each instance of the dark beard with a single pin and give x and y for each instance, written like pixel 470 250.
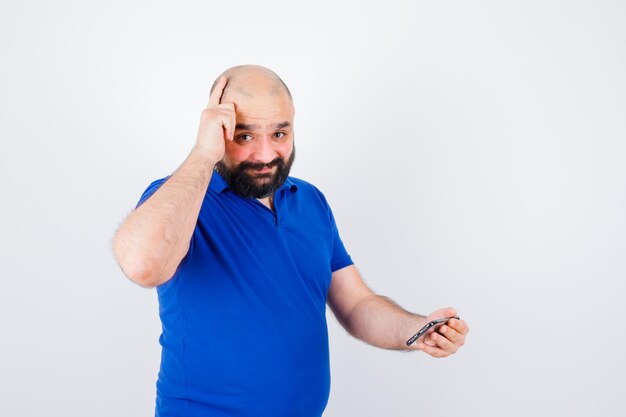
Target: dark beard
pixel 260 185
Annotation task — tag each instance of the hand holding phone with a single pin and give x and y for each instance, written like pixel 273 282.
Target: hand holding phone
pixel 435 324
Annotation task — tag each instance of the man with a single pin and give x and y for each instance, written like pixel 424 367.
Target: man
pixel 245 259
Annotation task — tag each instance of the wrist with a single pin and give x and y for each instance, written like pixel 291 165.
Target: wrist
pixel 201 155
pixel 411 327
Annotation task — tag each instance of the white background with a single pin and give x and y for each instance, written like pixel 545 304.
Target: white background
pixel 473 153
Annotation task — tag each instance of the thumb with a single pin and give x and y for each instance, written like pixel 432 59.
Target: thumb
pixel 443 313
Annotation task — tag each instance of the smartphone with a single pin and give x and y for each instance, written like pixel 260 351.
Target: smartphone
pixel 435 324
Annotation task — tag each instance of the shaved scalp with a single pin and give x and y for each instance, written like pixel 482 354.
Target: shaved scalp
pixel 251 80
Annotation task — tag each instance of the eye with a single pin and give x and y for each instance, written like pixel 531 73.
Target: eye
pixel 279 135
pixel 245 137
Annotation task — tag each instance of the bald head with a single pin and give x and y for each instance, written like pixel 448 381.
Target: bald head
pixel 250 81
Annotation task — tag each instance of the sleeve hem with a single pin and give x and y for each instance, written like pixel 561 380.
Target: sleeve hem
pixel 341 263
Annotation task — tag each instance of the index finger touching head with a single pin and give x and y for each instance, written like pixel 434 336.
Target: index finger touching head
pixel 216 94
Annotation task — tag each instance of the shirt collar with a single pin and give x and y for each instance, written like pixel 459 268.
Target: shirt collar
pixel 218 184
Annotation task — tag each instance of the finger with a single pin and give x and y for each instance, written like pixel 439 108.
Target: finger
pixel 216 94
pixel 444 343
pixel 452 335
pixel 443 313
pixel 230 123
pixel 229 128
pixel 459 325
pixel 428 341
pixel 226 123
pixel 433 351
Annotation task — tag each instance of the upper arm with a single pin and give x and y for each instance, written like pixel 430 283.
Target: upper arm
pixel 346 290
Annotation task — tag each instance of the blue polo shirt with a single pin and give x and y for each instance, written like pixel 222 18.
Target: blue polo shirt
pixel 243 319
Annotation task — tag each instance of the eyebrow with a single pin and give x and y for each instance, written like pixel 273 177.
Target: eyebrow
pixel 249 126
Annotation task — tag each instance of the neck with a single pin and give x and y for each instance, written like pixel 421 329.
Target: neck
pixel 268 201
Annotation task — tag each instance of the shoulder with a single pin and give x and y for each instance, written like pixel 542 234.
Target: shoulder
pixel 154 185
pixel 300 183
pixel 309 192
pixel 306 187
pixel 158 182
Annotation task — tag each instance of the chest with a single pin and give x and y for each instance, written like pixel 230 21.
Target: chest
pixel 243 245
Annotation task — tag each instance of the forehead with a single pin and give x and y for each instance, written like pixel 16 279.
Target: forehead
pixel 264 113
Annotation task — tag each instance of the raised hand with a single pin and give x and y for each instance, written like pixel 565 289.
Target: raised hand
pixel 217 124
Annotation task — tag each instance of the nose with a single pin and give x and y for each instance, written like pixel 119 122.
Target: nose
pixel 263 151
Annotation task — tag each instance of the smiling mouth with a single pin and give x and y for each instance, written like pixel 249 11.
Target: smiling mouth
pixel 263 170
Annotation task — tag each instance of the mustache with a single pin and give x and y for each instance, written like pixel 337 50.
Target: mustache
pixel 260 165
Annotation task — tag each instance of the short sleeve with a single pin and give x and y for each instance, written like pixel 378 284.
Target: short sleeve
pixel 152 188
pixel 155 185
pixel 340 257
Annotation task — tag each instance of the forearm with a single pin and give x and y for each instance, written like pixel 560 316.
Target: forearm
pixel 379 321
pixel 155 237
